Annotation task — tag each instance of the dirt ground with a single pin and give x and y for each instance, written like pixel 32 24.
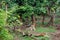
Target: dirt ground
pixel 56 35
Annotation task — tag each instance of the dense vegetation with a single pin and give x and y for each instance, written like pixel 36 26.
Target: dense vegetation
pixel 39 13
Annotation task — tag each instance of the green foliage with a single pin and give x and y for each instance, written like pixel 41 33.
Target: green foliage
pixel 13 17
pixel 25 9
pixel 9 3
pixel 3 17
pixel 4 34
pixel 38 6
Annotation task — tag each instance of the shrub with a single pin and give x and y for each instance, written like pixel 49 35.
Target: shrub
pixel 4 34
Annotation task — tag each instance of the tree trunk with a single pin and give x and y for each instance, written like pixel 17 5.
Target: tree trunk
pixel 43 19
pixel 6 8
pixel 33 22
pixel 21 18
pixel 0 5
pixel 51 22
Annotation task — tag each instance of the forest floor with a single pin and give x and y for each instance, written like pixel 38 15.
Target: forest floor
pixel 56 35
pixel 49 30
